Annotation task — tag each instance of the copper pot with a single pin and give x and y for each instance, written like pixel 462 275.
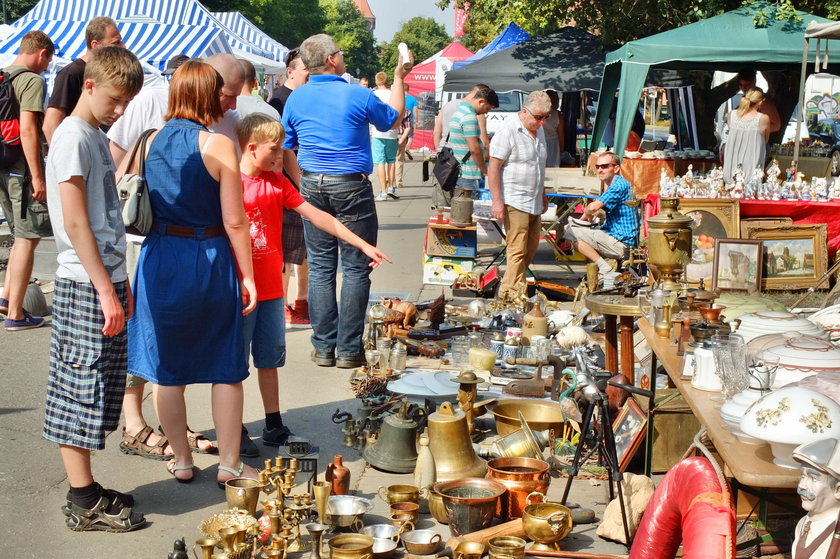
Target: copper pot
pixel 470 503
pixel 522 476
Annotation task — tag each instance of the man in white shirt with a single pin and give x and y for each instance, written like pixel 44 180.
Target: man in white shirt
pixel 517 185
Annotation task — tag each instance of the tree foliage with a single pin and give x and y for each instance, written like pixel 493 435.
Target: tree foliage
pixel 423 35
pixel 615 21
pixel 17 8
pixel 348 27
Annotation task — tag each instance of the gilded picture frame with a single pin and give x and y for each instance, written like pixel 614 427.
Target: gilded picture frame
pixel 794 256
pixel 737 265
pixel 629 430
pixel 712 218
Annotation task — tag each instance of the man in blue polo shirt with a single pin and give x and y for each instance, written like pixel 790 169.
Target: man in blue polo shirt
pixel 327 120
pixel 621 228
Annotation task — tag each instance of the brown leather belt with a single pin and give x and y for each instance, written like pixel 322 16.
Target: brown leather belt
pixel 189 232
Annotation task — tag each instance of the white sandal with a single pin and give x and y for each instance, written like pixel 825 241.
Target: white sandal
pixel 235 472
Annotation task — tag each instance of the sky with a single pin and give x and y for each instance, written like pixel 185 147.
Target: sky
pixel 391 14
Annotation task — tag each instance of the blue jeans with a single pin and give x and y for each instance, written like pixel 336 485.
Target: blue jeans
pixel 471 184
pixel 339 327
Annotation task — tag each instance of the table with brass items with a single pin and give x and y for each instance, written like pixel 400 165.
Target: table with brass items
pixel 621 310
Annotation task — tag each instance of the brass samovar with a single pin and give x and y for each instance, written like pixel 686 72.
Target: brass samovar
pixel 669 243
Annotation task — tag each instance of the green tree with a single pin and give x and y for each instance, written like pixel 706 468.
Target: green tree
pixel 345 24
pixel 423 35
pixel 16 8
pixel 286 21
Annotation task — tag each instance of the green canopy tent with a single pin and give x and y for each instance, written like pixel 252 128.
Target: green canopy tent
pixel 727 42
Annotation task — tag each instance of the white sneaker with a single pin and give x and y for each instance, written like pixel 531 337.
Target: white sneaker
pixel 392 192
pixel 381 197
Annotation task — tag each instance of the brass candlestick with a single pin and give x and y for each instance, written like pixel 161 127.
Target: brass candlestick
pixel 299 512
pixel 279 477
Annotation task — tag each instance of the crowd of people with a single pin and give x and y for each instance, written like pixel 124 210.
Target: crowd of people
pixel 204 289
pixel 242 191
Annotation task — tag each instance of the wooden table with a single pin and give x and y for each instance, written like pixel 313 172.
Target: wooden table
pixel 750 465
pixel 625 309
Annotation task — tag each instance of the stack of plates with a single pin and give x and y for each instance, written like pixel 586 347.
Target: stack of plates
pixel 770 322
pixel 435 385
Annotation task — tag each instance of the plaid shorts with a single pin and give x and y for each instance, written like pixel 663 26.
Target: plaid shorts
pixel 87 369
pixel 294 245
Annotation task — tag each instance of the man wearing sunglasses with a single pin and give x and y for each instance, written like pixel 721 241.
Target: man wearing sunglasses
pixel 517 185
pixel 621 228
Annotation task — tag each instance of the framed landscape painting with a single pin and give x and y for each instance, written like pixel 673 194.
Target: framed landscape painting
pixel 737 265
pixel 794 256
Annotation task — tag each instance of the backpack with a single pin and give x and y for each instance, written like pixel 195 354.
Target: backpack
pixel 10 146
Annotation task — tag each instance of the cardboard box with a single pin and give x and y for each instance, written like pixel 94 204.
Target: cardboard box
pixel 444 271
pixel 451 241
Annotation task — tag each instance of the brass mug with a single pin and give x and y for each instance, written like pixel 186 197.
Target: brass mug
pixel 406 510
pixel 243 493
pixel 401 493
pixel 207 546
pixel 469 550
pixel 402 520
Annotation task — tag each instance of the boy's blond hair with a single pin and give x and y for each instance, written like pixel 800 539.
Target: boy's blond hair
pixel 117 67
pixel 258 128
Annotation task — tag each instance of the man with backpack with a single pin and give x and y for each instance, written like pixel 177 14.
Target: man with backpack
pixel 23 190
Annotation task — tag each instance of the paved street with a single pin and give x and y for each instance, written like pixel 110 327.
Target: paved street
pixel 32 481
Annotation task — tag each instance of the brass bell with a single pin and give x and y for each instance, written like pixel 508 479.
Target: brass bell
pixel 396 448
pixel 449 441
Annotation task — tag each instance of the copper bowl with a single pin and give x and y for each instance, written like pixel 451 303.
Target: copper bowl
pixel 470 503
pixel 711 311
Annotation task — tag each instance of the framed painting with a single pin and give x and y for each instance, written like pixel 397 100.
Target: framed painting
pixel 712 218
pixel 629 429
pixel 794 256
pixel 737 265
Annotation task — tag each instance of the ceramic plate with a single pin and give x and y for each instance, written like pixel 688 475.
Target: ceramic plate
pixel 435 385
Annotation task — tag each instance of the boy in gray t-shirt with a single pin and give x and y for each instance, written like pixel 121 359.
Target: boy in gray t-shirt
pixel 92 299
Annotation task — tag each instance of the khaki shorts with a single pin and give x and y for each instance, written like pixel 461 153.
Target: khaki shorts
pixel 36 225
pixel 607 247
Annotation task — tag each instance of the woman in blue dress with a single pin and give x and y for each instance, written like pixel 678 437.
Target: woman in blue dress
pixel 189 298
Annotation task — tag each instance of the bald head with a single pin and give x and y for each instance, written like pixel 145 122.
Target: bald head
pixel 232 75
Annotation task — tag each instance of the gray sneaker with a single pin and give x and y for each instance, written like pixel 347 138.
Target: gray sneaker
pixel 322 359
pixel 350 361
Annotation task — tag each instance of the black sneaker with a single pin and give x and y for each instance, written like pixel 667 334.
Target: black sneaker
pixel 247 448
pixel 350 361
pixel 277 436
pixel 322 359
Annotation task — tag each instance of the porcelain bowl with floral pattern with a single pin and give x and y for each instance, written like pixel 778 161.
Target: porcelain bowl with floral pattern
pixel 789 417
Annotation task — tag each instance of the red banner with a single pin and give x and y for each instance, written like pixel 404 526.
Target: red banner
pixel 461 19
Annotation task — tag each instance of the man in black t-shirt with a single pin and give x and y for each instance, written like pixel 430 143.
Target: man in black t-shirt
pixel 296 76
pixel 100 32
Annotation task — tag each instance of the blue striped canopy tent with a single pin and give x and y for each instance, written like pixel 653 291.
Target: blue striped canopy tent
pixel 173 12
pixel 246 29
pixel 153 43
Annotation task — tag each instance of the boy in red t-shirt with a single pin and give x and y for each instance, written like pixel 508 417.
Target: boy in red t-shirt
pixel 266 192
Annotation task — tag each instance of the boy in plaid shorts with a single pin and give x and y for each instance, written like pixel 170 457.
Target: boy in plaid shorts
pixel 92 301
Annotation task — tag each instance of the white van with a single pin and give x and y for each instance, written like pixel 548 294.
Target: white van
pixel 510 103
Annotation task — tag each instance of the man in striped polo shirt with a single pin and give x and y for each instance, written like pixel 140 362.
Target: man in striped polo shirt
pixel 464 136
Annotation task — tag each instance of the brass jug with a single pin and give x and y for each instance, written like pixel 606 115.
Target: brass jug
pixel 669 243
pixel 396 448
pixel 449 441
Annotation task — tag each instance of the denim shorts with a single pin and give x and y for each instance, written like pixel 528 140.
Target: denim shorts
pixel 384 150
pixel 264 331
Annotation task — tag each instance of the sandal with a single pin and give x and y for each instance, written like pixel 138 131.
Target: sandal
pixel 235 472
pixel 97 519
pixel 194 440
pixel 172 467
pixel 138 445
pixel 114 497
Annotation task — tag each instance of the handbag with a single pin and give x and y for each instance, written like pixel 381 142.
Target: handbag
pixel 447 167
pixel 135 207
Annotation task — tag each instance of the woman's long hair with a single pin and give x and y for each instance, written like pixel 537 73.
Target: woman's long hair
pixel 751 98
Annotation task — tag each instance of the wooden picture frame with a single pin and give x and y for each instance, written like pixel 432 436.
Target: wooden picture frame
pixel 713 218
pixel 629 429
pixel 737 265
pixel 794 256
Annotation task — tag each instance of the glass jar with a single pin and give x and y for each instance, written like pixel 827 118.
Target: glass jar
pixel 399 354
pixel 383 345
pixel 460 347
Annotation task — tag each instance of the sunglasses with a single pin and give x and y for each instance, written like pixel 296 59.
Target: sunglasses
pixel 604 165
pixel 537 117
pixel 339 51
pixel 294 53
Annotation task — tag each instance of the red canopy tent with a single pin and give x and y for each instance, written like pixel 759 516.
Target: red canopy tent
pixel 426 82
